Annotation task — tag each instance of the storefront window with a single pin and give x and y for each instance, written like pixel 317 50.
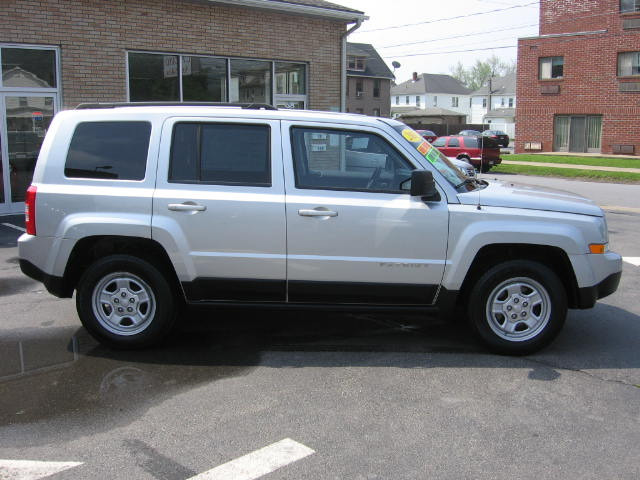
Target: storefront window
pixel 153 77
pixel 250 81
pixel 290 79
pixel 204 79
pixel 28 68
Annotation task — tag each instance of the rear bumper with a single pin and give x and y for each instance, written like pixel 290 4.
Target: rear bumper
pixel 588 296
pixel 54 285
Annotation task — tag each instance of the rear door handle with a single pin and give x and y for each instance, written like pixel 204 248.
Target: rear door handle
pixel 317 213
pixel 186 207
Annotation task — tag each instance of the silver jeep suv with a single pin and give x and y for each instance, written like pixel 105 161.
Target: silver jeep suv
pixel 140 209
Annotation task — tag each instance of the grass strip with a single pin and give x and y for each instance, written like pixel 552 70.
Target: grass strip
pixel 576 160
pixel 597 175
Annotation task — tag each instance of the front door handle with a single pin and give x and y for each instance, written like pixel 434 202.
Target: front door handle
pixel 317 213
pixel 186 207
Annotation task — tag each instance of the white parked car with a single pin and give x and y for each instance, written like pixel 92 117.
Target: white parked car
pixel 141 208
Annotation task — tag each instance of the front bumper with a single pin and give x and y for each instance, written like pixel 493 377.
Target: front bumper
pixel 588 296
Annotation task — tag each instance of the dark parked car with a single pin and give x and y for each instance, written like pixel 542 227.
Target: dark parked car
pixel 470 133
pixel 498 135
pixel 428 135
pixel 481 152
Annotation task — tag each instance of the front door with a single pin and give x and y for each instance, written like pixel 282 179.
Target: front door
pixel 354 235
pixel 577 134
pixel 27 117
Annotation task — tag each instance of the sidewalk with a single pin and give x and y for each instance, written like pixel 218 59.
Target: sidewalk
pixel 567 165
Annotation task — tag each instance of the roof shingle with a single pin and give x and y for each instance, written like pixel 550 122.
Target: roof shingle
pixel 431 83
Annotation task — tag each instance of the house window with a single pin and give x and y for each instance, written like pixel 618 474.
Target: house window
pixel 551 67
pixel 417 100
pixel 502 102
pixel 484 103
pixel 435 101
pixel 629 6
pixel 511 103
pixel 359 88
pixel 355 63
pixel 397 100
pixel 376 112
pixel 406 100
pixel 376 87
pixel 470 102
pixel 454 101
pixel 628 64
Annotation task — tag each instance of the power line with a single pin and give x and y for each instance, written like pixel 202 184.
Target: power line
pixel 451 18
pixel 450 51
pixel 458 36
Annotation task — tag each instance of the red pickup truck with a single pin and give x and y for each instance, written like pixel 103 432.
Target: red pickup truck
pixel 482 152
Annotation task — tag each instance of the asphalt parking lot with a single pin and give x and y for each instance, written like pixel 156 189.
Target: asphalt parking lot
pixel 287 395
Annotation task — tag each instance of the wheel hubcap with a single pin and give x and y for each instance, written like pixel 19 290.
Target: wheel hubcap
pixel 518 309
pixel 123 303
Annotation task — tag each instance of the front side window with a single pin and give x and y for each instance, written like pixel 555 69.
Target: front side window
pixel 220 154
pixel 347 160
pixel 628 64
pixel 551 67
pixel 629 6
pixel 454 142
pixel 109 150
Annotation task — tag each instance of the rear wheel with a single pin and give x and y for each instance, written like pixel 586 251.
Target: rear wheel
pixel 125 302
pixel 485 168
pixel 518 307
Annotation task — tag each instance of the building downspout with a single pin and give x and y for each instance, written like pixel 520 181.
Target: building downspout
pixel 343 79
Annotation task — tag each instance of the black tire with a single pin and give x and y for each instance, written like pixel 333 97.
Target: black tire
pixel 506 287
pixel 485 168
pixel 127 280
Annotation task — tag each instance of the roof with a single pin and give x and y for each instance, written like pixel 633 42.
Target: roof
pixel 430 112
pixel 501 113
pixel 499 86
pixel 305 7
pixel 431 83
pixel 374 65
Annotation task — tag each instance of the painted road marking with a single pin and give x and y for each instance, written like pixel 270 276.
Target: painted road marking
pixel 14 226
pixel 29 470
pixel 632 260
pixel 258 463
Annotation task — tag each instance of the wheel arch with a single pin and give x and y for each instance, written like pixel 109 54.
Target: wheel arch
pixel 89 249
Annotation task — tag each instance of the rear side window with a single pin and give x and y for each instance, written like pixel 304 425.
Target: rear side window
pixel 471 142
pixel 454 142
pixel 221 154
pixel 109 150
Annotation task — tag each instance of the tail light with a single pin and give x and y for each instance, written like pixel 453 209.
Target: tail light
pixel 30 210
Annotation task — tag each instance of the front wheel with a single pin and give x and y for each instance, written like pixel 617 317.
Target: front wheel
pixel 125 302
pixel 517 307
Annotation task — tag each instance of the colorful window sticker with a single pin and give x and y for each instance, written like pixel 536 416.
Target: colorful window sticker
pixel 423 148
pixel 432 155
pixel 411 135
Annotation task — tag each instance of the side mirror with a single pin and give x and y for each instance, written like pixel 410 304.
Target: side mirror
pixel 423 185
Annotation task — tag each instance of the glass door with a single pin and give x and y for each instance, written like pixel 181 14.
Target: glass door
pixel 26 118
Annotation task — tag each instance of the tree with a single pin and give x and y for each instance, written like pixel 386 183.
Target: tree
pixel 478 75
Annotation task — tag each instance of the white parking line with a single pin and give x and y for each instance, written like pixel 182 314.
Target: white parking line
pixel 632 260
pixel 14 226
pixel 30 470
pixel 258 463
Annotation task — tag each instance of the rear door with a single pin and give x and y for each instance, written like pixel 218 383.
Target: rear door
pixel 353 235
pixel 218 207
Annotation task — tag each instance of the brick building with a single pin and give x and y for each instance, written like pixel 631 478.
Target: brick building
pixel 578 85
pixel 56 54
pixel 368 81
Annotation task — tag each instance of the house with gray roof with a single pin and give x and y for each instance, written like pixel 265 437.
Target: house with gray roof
pixel 497 106
pixel 368 81
pixel 432 91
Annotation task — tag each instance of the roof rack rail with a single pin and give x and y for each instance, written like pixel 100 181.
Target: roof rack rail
pixel 250 106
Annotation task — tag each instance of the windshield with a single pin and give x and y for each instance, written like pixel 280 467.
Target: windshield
pixel 448 170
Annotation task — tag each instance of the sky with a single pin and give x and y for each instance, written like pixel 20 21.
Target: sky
pixel 486 26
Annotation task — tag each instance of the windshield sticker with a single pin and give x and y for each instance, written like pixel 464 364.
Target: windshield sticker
pixel 432 155
pixel 411 135
pixel 423 148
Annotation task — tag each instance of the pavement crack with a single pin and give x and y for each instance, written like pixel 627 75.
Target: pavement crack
pixel 584 372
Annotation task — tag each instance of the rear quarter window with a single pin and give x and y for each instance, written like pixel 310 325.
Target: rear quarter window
pixel 108 150
pixel 471 142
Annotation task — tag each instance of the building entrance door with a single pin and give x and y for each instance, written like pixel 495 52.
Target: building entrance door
pixel 26 117
pixel 577 134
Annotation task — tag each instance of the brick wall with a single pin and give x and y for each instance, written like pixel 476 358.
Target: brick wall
pixel 367 102
pixel 94 35
pixel 590 84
